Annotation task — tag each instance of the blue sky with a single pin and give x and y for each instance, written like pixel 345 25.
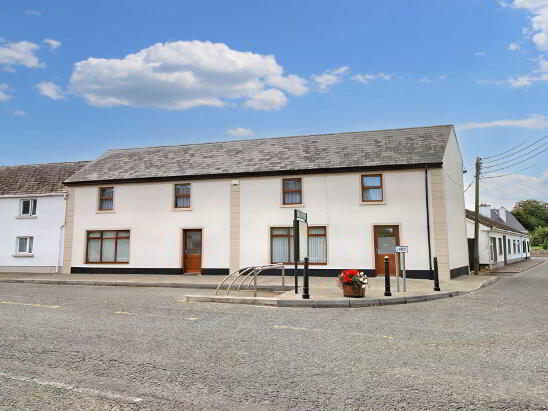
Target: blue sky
pixel 265 69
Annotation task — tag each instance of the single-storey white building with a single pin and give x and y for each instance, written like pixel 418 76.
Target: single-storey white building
pixel 32 216
pixel 215 207
pixel 502 239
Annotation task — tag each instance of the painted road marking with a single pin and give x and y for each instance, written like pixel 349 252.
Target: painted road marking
pixel 154 315
pixel 29 305
pixel 73 388
pixel 318 330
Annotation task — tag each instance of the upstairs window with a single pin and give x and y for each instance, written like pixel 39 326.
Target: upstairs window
pixel 182 195
pixel 106 198
pixel 28 207
pixel 372 189
pixel 292 191
pixel 24 245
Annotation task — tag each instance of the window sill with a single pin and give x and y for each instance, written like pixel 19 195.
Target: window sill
pixel 105 211
pixel 108 262
pixel 300 205
pixel 181 209
pixel 25 217
pixel 23 255
pixel 366 203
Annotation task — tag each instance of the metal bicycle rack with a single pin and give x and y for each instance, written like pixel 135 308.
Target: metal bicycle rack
pixel 250 273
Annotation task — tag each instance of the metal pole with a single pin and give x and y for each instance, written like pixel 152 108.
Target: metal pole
pixel 283 276
pixel 387 292
pixel 476 218
pixel 254 283
pixel 296 251
pixel 306 294
pixel 404 276
pixel 398 268
pixel 436 275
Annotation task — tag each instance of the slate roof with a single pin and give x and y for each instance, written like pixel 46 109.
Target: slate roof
pixel 488 222
pixel 37 178
pixel 363 149
pixel 511 221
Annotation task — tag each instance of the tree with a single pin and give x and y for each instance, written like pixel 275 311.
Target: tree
pixel 531 214
pixel 540 237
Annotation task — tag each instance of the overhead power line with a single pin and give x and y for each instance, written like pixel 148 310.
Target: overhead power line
pixel 469 185
pixel 504 152
pixel 518 157
pixel 519 162
pixel 512 154
pixel 545 161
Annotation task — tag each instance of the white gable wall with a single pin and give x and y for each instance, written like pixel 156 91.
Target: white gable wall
pixel 454 201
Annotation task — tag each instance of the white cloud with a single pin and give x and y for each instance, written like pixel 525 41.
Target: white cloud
pixel 33 12
pixel 539 20
pixel 4 89
pixel 539 74
pixel 435 79
pixel 17 113
pixel 368 78
pixel 506 191
pixel 513 47
pixel 183 74
pixel 51 90
pixel 21 53
pixel 53 44
pixel 270 99
pixel 534 121
pixel 480 53
pixel 240 132
pixel 329 78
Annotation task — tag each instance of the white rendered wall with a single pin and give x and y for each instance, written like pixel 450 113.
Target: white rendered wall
pixel 454 200
pixel 156 228
pixel 44 228
pixel 333 200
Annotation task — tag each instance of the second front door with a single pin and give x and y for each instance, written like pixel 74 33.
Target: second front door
pixel 192 249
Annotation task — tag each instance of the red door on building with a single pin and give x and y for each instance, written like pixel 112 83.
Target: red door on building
pixel 192 249
pixel 387 237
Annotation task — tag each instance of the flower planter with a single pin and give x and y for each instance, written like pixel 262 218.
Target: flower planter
pixel 350 290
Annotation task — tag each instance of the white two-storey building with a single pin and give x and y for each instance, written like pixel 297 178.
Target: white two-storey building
pixel 215 207
pixel 32 216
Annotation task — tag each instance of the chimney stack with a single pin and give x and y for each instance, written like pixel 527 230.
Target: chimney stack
pixel 485 210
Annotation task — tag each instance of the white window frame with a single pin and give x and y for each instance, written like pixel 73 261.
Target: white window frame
pixel 29 248
pixel 33 202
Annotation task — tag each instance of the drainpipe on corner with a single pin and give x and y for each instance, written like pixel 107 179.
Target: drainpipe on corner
pixel 61 229
pixel 428 220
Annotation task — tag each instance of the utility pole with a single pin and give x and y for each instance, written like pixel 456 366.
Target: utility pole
pixel 476 222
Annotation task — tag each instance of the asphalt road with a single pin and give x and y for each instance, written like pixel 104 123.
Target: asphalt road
pixel 82 347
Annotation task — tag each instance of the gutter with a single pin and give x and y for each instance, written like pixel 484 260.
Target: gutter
pixel 31 195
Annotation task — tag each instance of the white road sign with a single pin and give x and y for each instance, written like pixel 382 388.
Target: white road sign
pixel 402 248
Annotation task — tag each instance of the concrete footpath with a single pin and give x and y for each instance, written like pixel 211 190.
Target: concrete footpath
pixel 519 267
pixel 324 291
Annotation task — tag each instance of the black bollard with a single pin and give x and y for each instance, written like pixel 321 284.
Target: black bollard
pixel 387 292
pixel 306 293
pixel 436 275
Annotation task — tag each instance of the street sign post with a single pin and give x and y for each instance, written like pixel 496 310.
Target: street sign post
pixel 300 249
pixel 401 250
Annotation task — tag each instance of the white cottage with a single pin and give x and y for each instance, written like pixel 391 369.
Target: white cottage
pixel 502 239
pixel 32 216
pixel 215 207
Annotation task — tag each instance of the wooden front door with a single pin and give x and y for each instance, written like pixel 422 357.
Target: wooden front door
pixel 192 251
pixel 386 238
